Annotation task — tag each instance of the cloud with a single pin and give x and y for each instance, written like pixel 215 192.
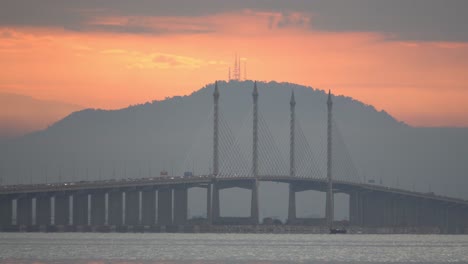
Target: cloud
pixel 139 60
pixel 293 20
pixel 418 20
pixel 176 61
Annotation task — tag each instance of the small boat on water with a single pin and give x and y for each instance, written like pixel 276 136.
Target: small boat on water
pixel 337 231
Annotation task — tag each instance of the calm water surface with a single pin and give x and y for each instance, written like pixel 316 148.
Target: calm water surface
pixel 229 248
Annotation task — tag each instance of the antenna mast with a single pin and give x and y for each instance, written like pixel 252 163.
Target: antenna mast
pixel 245 69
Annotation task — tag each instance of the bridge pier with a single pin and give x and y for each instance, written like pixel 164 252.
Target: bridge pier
pixel 61 209
pixel 114 208
pixel 355 209
pixel 24 210
pixel 209 212
pixel 216 214
pixel 388 212
pixel 465 219
pixel 165 206
pixel 425 215
pixel 80 209
pixel 381 209
pixel 455 223
pixel 292 204
pixel 6 210
pixel 43 209
pixel 98 208
pixel 408 213
pixel 370 208
pixel 132 207
pixel 180 205
pixel 148 207
pixel 254 209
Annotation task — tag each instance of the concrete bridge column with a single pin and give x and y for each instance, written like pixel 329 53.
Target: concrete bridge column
pixel 370 210
pixel 412 212
pixel 6 210
pixel 98 208
pixel 363 207
pixel 422 213
pixel 388 215
pixel 354 209
pixel 373 212
pixel 148 207
pixel 432 214
pixel 114 208
pixel 24 210
pixel 165 206
pixel 455 220
pixel 216 210
pixel 132 207
pixel 180 205
pixel 360 211
pixel 209 212
pixel 61 209
pixel 254 204
pixel 465 219
pixel 397 212
pixel 43 210
pixel 292 204
pixel 441 217
pixel 80 209
pixel 380 210
pixel 393 211
pixel 365 210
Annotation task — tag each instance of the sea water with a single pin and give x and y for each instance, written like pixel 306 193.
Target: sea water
pixel 166 248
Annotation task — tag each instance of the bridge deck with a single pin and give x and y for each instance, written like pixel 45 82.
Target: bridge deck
pixel 310 183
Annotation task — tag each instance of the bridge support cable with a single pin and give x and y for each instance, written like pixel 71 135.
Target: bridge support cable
pixel 307 165
pixel 272 161
pixel 344 167
pixel 233 159
pixel 198 157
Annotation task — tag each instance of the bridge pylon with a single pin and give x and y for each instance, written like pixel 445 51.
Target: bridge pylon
pixel 254 202
pixel 212 211
pixel 329 200
pixel 292 163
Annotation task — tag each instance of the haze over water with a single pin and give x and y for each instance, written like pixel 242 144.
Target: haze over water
pixel 230 248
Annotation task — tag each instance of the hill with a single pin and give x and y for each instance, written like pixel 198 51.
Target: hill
pixel 22 114
pixel 176 135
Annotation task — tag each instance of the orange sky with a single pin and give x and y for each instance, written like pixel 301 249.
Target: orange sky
pixel 420 83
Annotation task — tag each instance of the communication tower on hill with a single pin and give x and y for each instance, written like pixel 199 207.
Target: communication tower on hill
pixel 236 72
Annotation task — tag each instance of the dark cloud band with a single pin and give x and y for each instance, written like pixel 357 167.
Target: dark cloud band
pixel 420 20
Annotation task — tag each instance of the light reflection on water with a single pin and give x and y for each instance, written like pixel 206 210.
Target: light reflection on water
pixel 114 248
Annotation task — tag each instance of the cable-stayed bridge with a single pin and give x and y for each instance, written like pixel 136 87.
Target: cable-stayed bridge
pixel 243 158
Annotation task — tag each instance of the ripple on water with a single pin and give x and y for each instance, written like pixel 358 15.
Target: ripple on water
pixel 229 248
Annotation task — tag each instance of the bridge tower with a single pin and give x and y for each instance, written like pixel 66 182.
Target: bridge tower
pixel 254 202
pixel 329 201
pixel 215 131
pixel 212 207
pixel 292 164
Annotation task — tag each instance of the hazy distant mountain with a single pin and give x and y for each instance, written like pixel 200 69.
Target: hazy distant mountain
pixel 23 114
pixel 176 135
